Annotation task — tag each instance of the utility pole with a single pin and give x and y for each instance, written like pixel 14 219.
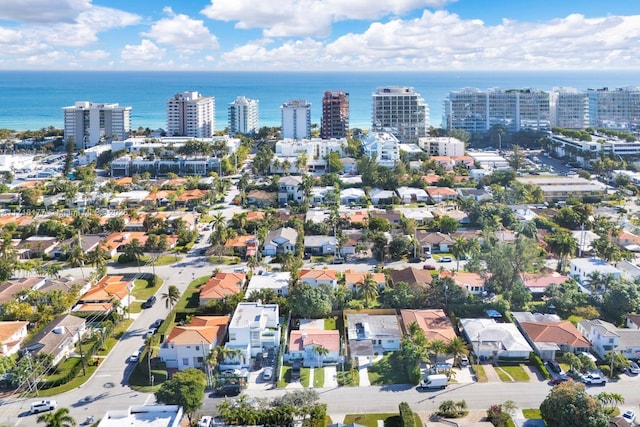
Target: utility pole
pixel 84 372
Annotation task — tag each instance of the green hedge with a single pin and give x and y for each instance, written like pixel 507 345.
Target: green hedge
pixel 537 362
pixel 406 415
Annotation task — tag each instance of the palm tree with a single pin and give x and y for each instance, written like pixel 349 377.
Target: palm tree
pixel 134 250
pixel 457 347
pixel 219 221
pixel 253 263
pixel 437 347
pixel 562 244
pixel 77 258
pixel 171 297
pixel 368 288
pixel 59 418
pixel 458 249
pixel 320 352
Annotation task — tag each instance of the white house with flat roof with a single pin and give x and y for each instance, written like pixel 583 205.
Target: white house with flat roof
pixel 277 281
pixel 606 337
pixel 492 339
pixel 582 268
pixel 384 145
pixel 143 415
pixel 254 328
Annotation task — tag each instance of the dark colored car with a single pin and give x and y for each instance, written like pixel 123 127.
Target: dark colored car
pixel 429 267
pixel 150 301
pixel 228 390
pixel 295 372
pixel 554 366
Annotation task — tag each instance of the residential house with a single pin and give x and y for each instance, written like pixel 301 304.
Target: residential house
pixel 581 269
pixel 477 194
pixel 413 276
pixel 394 218
pixel 320 245
pixel 471 283
pixel 276 281
pixel 316 216
pixel 493 340
pixel 633 321
pixel 254 328
pixel 434 323
pixel 627 240
pixel 420 215
pixel 242 246
pixel 548 334
pixel 461 216
pixel 290 189
pixel 12 333
pixel 191 198
pixel 537 283
pixel 188 346
pixel 140 415
pixel 221 286
pixel 280 241
pixel 441 194
pixel 358 218
pixel 11 288
pixel 89 242
pixel 379 196
pixel 321 195
pixel 523 212
pixel 629 270
pixel 369 334
pixel 412 195
pixel 316 278
pixel 352 196
pixel 349 165
pixel 351 243
pixel 585 239
pixel 260 198
pixel 304 342
pixel 58 338
pixel 434 242
pixel 100 298
pixel 8 199
pixel 606 337
pixel 353 279
pixel 36 246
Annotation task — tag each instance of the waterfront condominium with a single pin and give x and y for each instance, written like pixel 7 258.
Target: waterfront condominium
pixel 191 114
pixel 569 108
pixel 89 124
pixel 335 115
pixel 400 110
pixel 614 109
pixel 296 119
pixel 474 110
pixel 243 116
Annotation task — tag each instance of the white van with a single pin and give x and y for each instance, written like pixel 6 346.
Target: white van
pixel 43 405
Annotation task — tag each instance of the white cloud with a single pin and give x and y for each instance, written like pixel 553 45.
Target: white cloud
pixel 307 17
pixel 441 41
pixel 146 51
pixel 182 32
pixel 42 11
pixel 94 55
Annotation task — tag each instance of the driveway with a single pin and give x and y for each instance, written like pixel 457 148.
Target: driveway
pixel 330 377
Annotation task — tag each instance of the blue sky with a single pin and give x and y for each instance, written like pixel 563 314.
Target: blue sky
pixel 320 35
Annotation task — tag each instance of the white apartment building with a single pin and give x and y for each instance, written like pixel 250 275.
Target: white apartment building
pixel 88 123
pixel 401 110
pixel 614 109
pixel 442 146
pixel 384 145
pixel 243 116
pixel 254 328
pixel 569 108
pixel 191 114
pixel 474 110
pixel 296 119
pixel 313 148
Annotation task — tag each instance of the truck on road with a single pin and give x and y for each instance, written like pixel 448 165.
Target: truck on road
pixel 434 381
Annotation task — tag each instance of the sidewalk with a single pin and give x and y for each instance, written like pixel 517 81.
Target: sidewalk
pixel 492 375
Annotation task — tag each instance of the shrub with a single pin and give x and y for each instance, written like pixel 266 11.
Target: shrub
pixel 406 415
pixel 537 362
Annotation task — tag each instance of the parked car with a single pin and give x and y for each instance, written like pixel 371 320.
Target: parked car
pixel 228 390
pixel 135 356
pixel 295 372
pixel 150 302
pixel 429 267
pixel 463 360
pixel 157 323
pixel 554 366
pixel 151 332
pixel 559 378
pixel 267 374
pixel 445 259
pixel 594 379
pixel 43 406
pixel 633 368
pixel 630 417
pixel 205 421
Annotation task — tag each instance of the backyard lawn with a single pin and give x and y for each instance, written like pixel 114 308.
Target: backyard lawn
pixel 388 370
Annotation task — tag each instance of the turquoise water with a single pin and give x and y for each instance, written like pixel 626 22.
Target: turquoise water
pixel 33 99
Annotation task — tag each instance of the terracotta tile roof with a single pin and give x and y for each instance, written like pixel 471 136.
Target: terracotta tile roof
pixel 222 285
pixel 555 332
pixel 435 324
pixel 462 279
pixel 160 194
pixel 441 191
pixel 93 307
pixel 357 217
pixel 106 289
pixel 191 195
pixel 318 274
pixel 239 241
pixel 351 277
pixel 255 215
pixel 8 329
pixel 209 329
pixel 114 240
pixel 541 280
pixel 124 181
pixel 431 178
pixel 299 339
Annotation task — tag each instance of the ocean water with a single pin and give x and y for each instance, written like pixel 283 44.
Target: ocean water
pixel 34 99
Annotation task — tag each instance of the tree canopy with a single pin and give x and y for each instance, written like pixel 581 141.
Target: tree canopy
pixel 185 388
pixel 569 405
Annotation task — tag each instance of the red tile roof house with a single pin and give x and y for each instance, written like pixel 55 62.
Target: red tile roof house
pixel 188 346
pixel 302 345
pixel 242 246
pixel 539 282
pixel 316 278
pixel 101 296
pixel 11 336
pixel 435 324
pixel 471 283
pixel 222 285
pixel 352 279
pixel 548 334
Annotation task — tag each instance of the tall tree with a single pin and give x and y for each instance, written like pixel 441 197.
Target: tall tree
pixel 59 418
pixel 569 405
pixel 186 389
pixel 171 297
pixel 562 244
pixel 368 288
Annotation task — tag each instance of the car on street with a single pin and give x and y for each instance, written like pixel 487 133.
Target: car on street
pixel 43 406
pixel 428 267
pixel 633 368
pixel 135 356
pixel 630 417
pixel 594 379
pixel 267 374
pixel 205 421
pixel 445 259
pixel 559 378
pixel 228 390
pixel 149 302
pixel 151 332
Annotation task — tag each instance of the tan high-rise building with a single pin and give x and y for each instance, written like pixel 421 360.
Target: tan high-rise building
pixel 191 114
pixel 401 111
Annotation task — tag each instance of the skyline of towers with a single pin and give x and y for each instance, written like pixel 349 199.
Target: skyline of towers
pixel 88 123
pixel 191 114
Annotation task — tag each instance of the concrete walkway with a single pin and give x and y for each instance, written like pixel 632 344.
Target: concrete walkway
pixel 492 375
pixel 330 377
pixel 363 372
pixel 311 370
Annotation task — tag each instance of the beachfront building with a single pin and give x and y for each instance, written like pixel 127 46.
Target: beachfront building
pixel 243 116
pixel 335 115
pixel 89 123
pixel 296 119
pixel 384 145
pixel 401 110
pixel 569 108
pixel 442 146
pixel 191 114
pixel 474 110
pixel 614 109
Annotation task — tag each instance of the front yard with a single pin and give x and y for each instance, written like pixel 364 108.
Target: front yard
pixel 388 370
pixel 512 373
